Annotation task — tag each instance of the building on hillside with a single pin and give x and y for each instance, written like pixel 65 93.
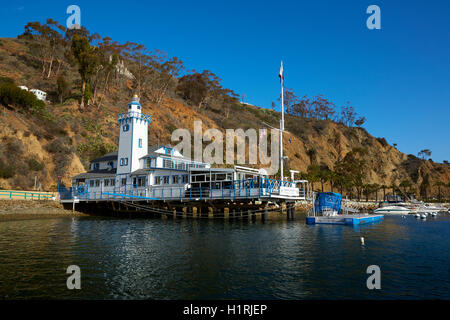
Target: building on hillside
pixel 41 95
pixel 23 88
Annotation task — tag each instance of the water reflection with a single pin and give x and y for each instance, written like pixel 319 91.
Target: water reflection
pixel 205 259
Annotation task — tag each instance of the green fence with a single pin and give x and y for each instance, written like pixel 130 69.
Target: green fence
pixel 26 195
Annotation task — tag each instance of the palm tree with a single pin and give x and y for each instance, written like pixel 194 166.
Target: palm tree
pixel 383 186
pixel 394 187
pixel 313 174
pixel 323 174
pixel 376 187
pixel 367 190
pixel 333 178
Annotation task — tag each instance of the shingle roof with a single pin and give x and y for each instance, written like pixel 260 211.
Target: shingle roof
pixel 106 157
pixel 96 174
pixel 141 171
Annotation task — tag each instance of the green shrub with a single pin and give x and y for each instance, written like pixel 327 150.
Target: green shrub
pixel 6 171
pixel 10 94
pixel 58 146
pixel 35 165
pixel 94 148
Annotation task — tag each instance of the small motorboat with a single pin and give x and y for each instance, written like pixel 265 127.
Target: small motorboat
pixel 423 216
pixel 417 215
pixel 395 209
pixel 429 208
pixel 434 214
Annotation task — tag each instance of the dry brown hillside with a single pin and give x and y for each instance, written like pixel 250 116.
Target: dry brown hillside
pixel 60 143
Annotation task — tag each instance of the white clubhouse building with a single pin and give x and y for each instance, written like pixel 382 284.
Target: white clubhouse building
pixel 138 172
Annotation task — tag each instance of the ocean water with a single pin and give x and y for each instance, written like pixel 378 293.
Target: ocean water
pixel 209 259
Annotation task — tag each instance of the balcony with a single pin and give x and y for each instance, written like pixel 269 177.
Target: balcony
pixel 134 114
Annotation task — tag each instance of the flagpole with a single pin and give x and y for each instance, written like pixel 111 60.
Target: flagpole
pixel 282 127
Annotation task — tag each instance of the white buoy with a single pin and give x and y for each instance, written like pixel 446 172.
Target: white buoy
pixel 362 240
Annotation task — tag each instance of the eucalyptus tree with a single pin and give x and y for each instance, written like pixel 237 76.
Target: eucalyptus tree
pixel 88 60
pixel 353 166
pixel 424 154
pixel 46 42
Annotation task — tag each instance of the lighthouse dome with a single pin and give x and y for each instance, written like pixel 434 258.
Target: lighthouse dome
pixel 134 105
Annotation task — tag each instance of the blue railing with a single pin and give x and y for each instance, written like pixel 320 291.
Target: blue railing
pixel 248 188
pixel 25 195
pixel 134 114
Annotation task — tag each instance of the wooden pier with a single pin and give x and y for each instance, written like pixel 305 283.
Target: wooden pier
pixel 248 209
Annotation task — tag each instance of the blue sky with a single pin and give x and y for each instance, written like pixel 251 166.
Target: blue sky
pixel 397 77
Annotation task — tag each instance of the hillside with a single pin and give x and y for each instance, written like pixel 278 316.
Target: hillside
pixel 60 141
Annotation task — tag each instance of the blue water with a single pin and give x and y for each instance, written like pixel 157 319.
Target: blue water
pixel 191 259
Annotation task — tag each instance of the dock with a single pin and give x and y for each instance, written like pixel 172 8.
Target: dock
pixel 345 219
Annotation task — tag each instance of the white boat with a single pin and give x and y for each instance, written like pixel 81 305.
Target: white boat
pixel 423 216
pixel 393 209
pixel 430 208
pixel 417 215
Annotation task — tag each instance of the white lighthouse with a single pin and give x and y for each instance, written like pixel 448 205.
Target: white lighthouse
pixel 133 137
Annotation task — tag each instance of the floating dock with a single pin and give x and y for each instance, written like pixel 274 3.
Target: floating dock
pixel 345 219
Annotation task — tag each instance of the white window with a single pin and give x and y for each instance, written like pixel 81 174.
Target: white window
pixel 181 166
pixel 168 163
